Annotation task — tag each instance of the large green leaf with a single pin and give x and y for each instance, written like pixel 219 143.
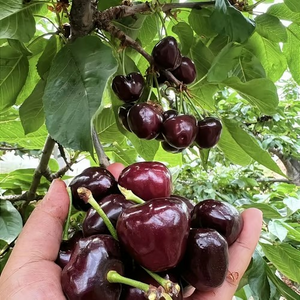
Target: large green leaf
pixel 16 20
pixel 10 222
pixel 281 11
pixel 285 258
pixel 106 127
pixel 269 54
pixel 271 28
pixel 259 92
pixel 231 22
pixel 224 62
pixel 284 290
pixel 45 60
pixel 250 145
pixel 171 160
pixel 14 69
pixel 186 36
pixel 232 150
pixel 290 49
pixel 203 58
pixel 268 211
pixel 148 31
pixel 31 111
pixel 202 95
pixel 257 277
pixel 293 5
pixel 73 94
pixel 200 21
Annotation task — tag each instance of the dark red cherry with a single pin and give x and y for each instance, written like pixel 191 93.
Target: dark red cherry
pixel 128 88
pixel 155 233
pixel 122 114
pixel 169 114
pixel 112 205
pixel 188 202
pixel 205 263
pixel 84 277
pixel 145 120
pixel 98 180
pixel 147 180
pixel 186 72
pixel 66 249
pixel 220 216
pixel 180 131
pixel 209 132
pixel 166 54
pixel 132 293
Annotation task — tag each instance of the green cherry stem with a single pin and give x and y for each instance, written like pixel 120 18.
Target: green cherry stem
pixel 129 195
pixel 87 196
pixel 67 224
pixel 151 292
pixel 169 286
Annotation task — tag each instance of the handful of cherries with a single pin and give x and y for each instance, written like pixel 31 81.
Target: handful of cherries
pixel 144 242
pixel 147 120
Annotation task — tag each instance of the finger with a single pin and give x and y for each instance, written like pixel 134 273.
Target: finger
pixel 240 254
pixel 41 236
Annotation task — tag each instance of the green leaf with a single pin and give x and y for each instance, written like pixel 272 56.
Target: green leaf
pixel 3 246
pixel 224 62
pixel 268 211
pixel 231 22
pixel 281 11
pixel 14 70
pixel 31 111
pixel 171 160
pixel 203 58
pixel 10 222
pixel 250 145
pixel 105 4
pixel 257 277
pixel 293 5
pixel 292 203
pixel 285 258
pixel 145 148
pixel 203 95
pixel 148 30
pixel 186 36
pixel 74 90
pixel 290 51
pixel 46 59
pixel 284 290
pixel 292 233
pixel 16 20
pixel 232 150
pixel 259 92
pixel 269 54
pixel 204 154
pixel 271 28
pixel 106 127
pixel 20 47
pixel 200 21
pixel 276 228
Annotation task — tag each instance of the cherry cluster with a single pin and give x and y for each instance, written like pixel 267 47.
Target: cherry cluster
pixel 139 241
pixel 148 120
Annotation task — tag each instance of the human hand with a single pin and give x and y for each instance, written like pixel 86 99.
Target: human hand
pixel 31 272
pixel 240 254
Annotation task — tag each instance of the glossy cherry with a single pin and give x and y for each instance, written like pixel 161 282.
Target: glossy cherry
pixel 147 180
pixel 112 205
pixel 209 132
pixel 145 120
pixel 66 249
pixel 122 114
pixel 186 72
pixel 155 233
pixel 128 88
pixel 205 262
pixel 188 202
pixel 180 131
pixel 98 180
pixel 84 277
pixel 170 113
pixel 166 54
pixel 220 216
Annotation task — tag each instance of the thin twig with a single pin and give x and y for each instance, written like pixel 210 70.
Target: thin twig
pixel 103 159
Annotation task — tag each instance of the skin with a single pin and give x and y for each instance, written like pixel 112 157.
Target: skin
pixel 32 274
